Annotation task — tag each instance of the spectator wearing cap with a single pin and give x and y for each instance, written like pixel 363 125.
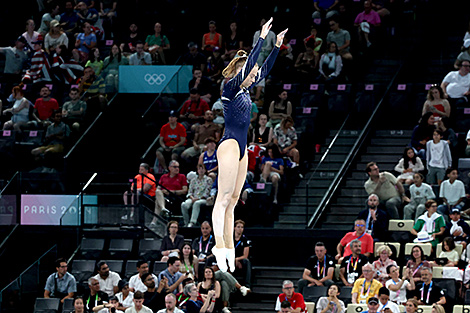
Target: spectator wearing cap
pixel 124 296
pixel 384 297
pixel 366 22
pixel 193 109
pixel 194 57
pixel 15 58
pixel 172 141
pixel 456 85
pixel 140 57
pixel 202 84
pixel 372 305
pixel 464 55
pixel 209 158
pixel 457 228
pixel 55 37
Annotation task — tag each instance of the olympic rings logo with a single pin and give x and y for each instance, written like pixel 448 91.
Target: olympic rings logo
pixel 155 79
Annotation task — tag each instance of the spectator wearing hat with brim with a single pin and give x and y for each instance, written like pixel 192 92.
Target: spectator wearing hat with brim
pixel 172 141
pixel 431 223
pixel 124 296
pixel 372 305
pixel 15 58
pixel 457 228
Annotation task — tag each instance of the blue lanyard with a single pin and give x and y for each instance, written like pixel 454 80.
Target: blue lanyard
pixel 367 223
pixel 238 243
pixel 323 269
pixel 429 292
pixel 207 246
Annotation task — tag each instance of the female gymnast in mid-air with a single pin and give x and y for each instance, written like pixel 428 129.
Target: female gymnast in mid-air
pixel 244 74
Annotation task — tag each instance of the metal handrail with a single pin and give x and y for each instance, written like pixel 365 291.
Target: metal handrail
pixel 9 182
pixel 349 159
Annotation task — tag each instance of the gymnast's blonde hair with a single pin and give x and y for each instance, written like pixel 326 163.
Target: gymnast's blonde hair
pixel 240 58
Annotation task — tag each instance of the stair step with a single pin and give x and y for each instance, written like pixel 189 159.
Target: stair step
pixel 344 200
pixel 346 209
pixel 342 141
pixel 293 217
pixel 390 158
pixel 342 217
pixel 400 142
pixel 394 133
pixel 331 157
pixel 354 192
pixel 290 225
pixel 389 150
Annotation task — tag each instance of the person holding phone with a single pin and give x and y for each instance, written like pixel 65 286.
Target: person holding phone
pixel 331 303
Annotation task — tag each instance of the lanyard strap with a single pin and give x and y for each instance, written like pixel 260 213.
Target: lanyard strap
pixel 323 271
pixel 363 287
pixel 354 264
pixel 414 272
pixel 207 246
pixel 429 292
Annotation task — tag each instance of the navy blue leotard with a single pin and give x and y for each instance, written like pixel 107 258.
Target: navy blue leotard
pixel 236 100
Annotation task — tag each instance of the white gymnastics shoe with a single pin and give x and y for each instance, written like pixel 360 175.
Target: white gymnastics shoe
pixel 231 259
pixel 220 256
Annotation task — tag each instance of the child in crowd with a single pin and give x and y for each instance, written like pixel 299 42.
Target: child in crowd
pixel 438 158
pixel 420 193
pixel 452 193
pixel 409 164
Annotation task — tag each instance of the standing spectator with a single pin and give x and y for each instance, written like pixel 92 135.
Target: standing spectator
pixel 430 222
pixel 135 283
pixel 272 168
pixel 84 43
pixel 420 193
pixel 55 37
pixel 438 158
pixel 452 193
pixel 173 274
pixel 380 265
pixel 193 110
pixel 341 37
pixel 351 267
pixel 56 136
pixel 171 243
pixel 397 286
pixel 172 140
pixel 365 288
pixel 427 292
pixel 417 263
pixel 295 299
pixel 268 44
pixel 436 103
pixel 330 65
pixel 211 39
pixel 262 135
pixel 61 284
pixel 108 280
pixel 140 57
pixel 199 191
pixel 360 234
pixel 319 270
pixel 69 19
pixel 19 111
pixel 457 228
pixel 331 303
pixel 94 297
pixel 242 252
pixel 52 13
pixel 279 109
pixel 325 8
pixel 156 44
pixel 94 61
pixel 138 306
pixel 173 182
pixel 389 190
pixel 456 85
pixel 376 219
pixel 209 158
pixel 73 111
pixel 422 133
pixel 15 58
pixel 366 22
pixel 111 68
pixel 286 138
pixel 408 165
pixel 30 34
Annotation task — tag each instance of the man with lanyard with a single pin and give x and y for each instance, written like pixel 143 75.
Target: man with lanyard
pixel 319 269
pixel 242 252
pixel 202 247
pixel 94 296
pixel 358 233
pixel 376 219
pixel 295 299
pixel 366 287
pixel 351 266
pixel 372 305
pixel 384 297
pixel 427 292
pixel 174 276
pixel 135 283
pixel 61 284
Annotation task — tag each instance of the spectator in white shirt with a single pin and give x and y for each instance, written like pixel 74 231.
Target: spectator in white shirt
pixel 108 280
pixel 456 84
pixel 452 193
pixel 438 158
pixel 135 283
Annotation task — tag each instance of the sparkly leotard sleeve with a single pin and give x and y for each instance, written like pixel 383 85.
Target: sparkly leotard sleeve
pixel 236 100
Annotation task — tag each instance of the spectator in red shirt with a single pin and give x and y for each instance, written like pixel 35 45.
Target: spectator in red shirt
pixel 172 140
pixel 173 182
pixel 358 233
pixel 149 188
pixel 193 109
pixel 44 107
pixel 295 299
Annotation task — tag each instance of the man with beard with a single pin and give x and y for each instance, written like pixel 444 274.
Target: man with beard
pixel 108 280
pixel 376 219
pixel 135 283
pixel 154 298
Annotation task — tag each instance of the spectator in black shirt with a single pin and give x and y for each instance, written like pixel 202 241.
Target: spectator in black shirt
pixel 171 243
pixel 319 270
pixel 202 247
pixel 351 266
pixel 242 252
pixel 376 219
pixel 194 57
pixel 154 298
pixel 427 292
pixel 94 296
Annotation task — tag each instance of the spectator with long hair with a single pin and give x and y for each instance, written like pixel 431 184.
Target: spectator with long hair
pixel 232 42
pixel 417 261
pixel 272 168
pixel 422 133
pixel 286 138
pixel 55 37
pixel 94 61
pixel 330 63
pixel 111 68
pixel 19 111
pixel 408 165
pixel 279 109
pixel 189 262
pixel 436 103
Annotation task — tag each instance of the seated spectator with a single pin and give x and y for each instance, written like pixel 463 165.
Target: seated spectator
pixel 262 135
pixel 341 37
pixel 286 138
pixel 408 165
pixel 40 70
pixel 94 297
pixel 108 307
pixel 61 284
pixel 189 262
pixel 372 305
pixel 15 58
pixel 107 13
pixel 215 65
pixel 129 41
pixel 172 183
pixel 279 110
pixel 19 111
pixel 457 228
pixel 448 252
pixel 272 168
pixel 411 306
pixel 138 306
pixel 44 107
pixel 84 43
pixel 209 283
pixel 319 269
pixel 351 266
pixel 365 288
pixel 111 68
pixel 154 297
pixel 202 83
pixel 94 61
pixel 140 57
pixel 108 280
pixel 307 61
pixel 64 67
pixel 211 39
pixel 397 286
pixel 232 42
pixel 381 264
pixel 124 296
pixel 52 13
pixel 202 132
pixel 420 193
pixel 56 136
pixel 358 233
pixel 295 299
pixel 199 191
pixel 464 54
pixel 330 65
pixel 242 252
pixel 156 44
pixel 193 109
pixel 172 141
pixel 448 134
pixel 135 282
pixel 314 37
pixel 331 303
pixel 436 103
pixel 427 292
pixel 209 158
pixel 467 148
pixel 194 305
pixel 202 247
pixel 430 222
pixel 218 110
pixel 452 193
pixel 416 263
pixel 171 243
pixel 94 87
pixel 89 14
pixel 170 305
pixel 456 85
pixel 73 111
pixel 422 133
pixel 376 219
pixel 147 188
pixel 78 305
pixel 30 34
pixel 386 186
pixel 366 22
pixel 194 57
pixel 385 305
pixel 69 19
pixel 55 37
pixel 324 9
pixel 438 158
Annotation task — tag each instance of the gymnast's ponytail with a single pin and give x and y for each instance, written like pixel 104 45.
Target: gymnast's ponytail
pixel 240 58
